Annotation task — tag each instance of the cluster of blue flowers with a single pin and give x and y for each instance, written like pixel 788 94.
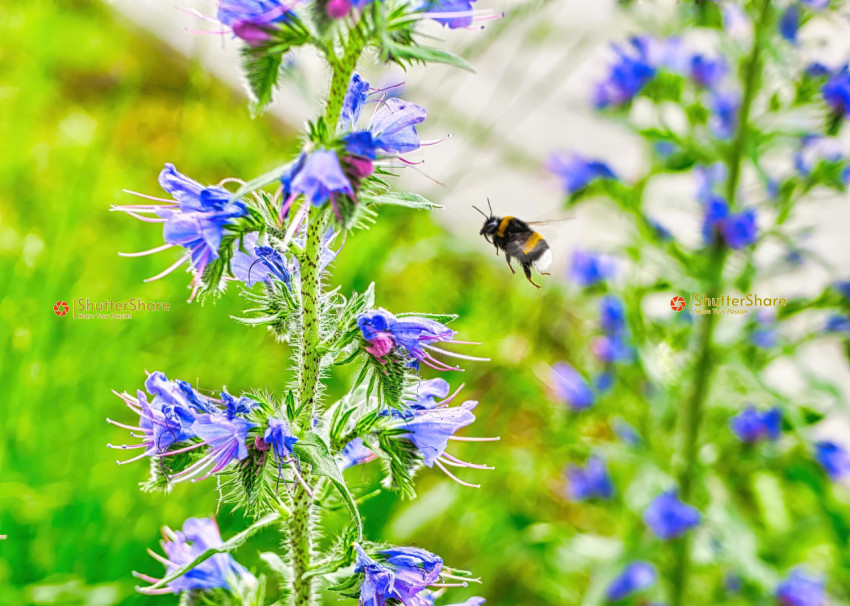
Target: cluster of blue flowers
pixel 711 90
pixel 182 547
pixel 179 414
pixel 614 345
pixel 403 574
pixel 409 338
pixel 429 423
pixel 196 218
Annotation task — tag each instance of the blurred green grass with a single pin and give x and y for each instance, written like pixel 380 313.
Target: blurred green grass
pixel 91 106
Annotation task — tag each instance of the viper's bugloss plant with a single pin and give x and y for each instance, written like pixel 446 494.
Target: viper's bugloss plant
pixel 278 453
pixel 702 477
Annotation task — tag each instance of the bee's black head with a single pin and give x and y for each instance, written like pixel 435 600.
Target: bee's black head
pixel 491 222
pixel 491 225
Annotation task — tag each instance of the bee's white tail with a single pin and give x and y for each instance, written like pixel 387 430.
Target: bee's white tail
pixel 544 262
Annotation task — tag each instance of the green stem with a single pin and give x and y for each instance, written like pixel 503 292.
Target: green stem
pixel 300 531
pixel 691 417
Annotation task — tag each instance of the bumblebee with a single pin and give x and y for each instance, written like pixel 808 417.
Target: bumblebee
pixel 518 241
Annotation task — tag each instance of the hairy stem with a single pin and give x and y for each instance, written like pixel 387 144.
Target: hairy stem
pixel 691 417
pixel 301 521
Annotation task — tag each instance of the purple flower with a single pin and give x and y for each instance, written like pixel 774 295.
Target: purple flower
pixel 237 406
pixel 739 229
pixel 752 425
pixel 716 212
pixel 637 576
pixel 198 535
pixel 463 9
pixel 280 437
pixel 790 23
pixel 604 381
pixel 430 430
pixel 571 387
pixel 321 177
pixel 724 114
pixel 160 428
pixel 838 324
pixel 843 288
pixel 612 314
pixel 412 336
pixel 707 72
pixel 668 517
pixel 355 453
pixel 253 20
pixel 402 573
pixel 392 129
pixel 764 334
pixel 800 589
pixel 201 217
pixel 833 458
pixel 275 264
pixel 626 432
pixel 196 221
pixel 427 395
pixel 816 4
pixel 590 268
pixel 627 77
pixel 226 439
pixel 708 178
pixel 167 419
pixel 352 104
pixel 612 348
pixel 245 265
pixel 393 126
pixel 836 93
pixel 577 172
pixel 590 482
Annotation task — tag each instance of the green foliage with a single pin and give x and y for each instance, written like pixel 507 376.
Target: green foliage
pixel 262 70
pixel 312 450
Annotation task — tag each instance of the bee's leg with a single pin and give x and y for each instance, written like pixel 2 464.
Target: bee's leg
pixel 527 271
pixel 508 259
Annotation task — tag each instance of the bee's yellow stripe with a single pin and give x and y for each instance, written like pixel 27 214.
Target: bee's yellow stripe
pixel 531 243
pixel 503 226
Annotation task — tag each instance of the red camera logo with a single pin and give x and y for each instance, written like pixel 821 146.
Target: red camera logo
pixel 677 303
pixel 61 308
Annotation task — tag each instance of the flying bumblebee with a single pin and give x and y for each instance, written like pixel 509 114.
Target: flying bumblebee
pixel 517 240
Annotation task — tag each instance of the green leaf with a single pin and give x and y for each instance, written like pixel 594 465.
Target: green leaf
pixel 424 54
pixel 312 449
pixel 254 184
pixel 261 70
pixel 232 543
pixel 400 198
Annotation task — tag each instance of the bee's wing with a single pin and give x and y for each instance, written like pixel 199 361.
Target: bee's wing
pixel 549 221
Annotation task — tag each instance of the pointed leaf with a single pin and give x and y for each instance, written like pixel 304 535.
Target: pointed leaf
pixel 261 70
pixel 400 198
pixel 312 449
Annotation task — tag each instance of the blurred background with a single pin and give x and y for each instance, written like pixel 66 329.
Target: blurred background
pixel 95 98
